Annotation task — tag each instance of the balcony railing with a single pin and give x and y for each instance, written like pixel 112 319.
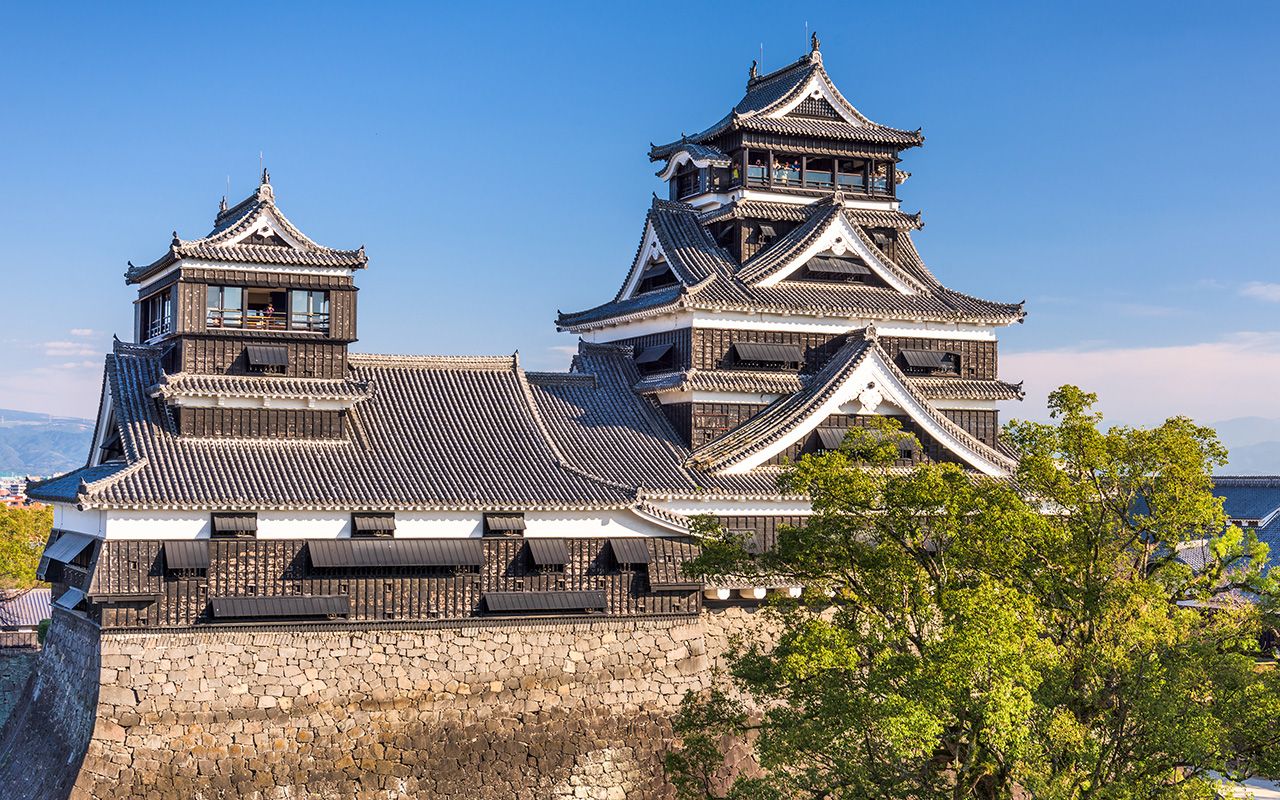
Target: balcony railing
pixel 262 321
pixel 158 327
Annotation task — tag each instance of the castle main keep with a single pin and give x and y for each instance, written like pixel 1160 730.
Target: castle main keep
pixel 291 570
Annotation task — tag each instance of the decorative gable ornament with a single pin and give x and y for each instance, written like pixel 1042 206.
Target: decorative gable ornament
pixel 870 398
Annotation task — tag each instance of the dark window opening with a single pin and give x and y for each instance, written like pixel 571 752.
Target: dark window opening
pixel 830 438
pixel 656 275
pixel 309 310
pixel 156 315
pixel 929 362
pixel 547 555
pixel 882 178
pixel 766 233
pixel 267 309
pixel 374 525
pixel 234 526
pixel 630 554
pixel 688 182
pixel 762 355
pixel 819 173
pixel 851 173
pixel 886 239
pixel 112 447
pixel 509 524
pixel 658 358
pixel 267 359
pixel 833 268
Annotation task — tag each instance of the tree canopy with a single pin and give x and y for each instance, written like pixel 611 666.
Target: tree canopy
pixel 23 533
pixel 967 637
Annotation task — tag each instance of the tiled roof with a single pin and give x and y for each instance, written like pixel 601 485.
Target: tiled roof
pixel 767 93
pixel 194 384
pixel 711 281
pixel 965 389
pixel 1254 497
pixel 24 608
pixel 701 152
pixel 783 416
pixel 434 433
pixel 791 212
pixel 221 244
pixel 700 380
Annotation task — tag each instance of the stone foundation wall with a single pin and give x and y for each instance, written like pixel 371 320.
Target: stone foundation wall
pixel 498 711
pixel 44 740
pixel 15 669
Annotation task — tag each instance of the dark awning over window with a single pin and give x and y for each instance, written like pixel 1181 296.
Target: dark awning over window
pixel 373 523
pixel 834 265
pixel 525 602
pixel 186 555
pixel 67 547
pixel 548 552
pixel 831 438
pixel 653 269
pixel 235 523
pixel 629 551
pixel 264 355
pixel 650 355
pixel 329 553
pixel 768 353
pixel 928 359
pixel 315 605
pixel 504 522
pixel 69 599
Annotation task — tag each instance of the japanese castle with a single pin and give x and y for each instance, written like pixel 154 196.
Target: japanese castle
pixel 248 468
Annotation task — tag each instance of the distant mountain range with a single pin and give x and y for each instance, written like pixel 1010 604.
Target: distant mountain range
pixel 1254 445
pixel 38 444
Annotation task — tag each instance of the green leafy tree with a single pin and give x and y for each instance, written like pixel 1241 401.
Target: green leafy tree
pixel 965 637
pixel 23 533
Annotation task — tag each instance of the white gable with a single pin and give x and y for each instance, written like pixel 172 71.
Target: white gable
pixel 872 385
pixel 818 87
pixel 650 250
pixel 268 224
pixel 842 238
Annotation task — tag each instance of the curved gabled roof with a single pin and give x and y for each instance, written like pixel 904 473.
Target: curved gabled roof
pixel 841 380
pixel 710 280
pixel 767 94
pixel 227 242
pixel 433 433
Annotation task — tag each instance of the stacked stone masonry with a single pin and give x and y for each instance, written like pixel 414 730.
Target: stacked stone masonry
pixel 532 709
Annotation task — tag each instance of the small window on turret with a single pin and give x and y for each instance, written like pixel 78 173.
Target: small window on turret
pixel 156 316
pixel 851 174
pixel 657 274
pixel 688 182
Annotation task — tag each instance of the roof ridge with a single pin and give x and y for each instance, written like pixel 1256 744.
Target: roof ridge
pixel 805 60
pixel 393 361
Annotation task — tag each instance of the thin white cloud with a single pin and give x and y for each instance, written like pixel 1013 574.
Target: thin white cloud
pixel 68 389
pixel 1237 376
pixel 1260 290
pixel 62 349
pixel 83 332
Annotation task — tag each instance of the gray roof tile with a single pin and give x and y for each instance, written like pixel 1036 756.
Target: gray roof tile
pixel 768 92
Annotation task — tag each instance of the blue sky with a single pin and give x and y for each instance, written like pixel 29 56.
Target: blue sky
pixel 1114 164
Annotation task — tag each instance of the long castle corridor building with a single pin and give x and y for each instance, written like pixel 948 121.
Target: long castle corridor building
pixel 256 491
